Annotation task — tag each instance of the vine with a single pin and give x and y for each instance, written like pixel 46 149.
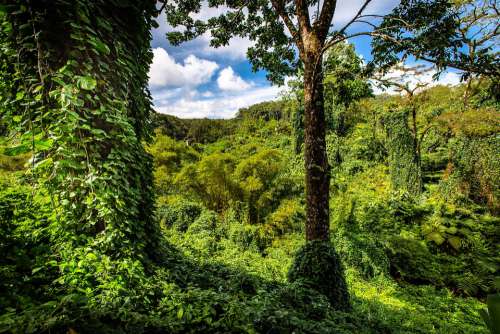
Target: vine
pixel 74 93
pixel 404 165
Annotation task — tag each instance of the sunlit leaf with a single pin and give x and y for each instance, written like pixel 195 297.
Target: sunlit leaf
pixel 87 83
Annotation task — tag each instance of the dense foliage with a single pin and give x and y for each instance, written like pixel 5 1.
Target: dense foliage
pixel 197 227
pixel 413 264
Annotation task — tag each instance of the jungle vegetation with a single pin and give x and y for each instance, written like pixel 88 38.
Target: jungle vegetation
pixel 329 210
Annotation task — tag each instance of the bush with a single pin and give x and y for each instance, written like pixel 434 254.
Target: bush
pixel 179 215
pixel 363 252
pixel 318 266
pixel 289 217
pixel 411 261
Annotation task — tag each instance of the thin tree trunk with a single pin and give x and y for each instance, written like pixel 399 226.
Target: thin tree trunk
pixel 316 162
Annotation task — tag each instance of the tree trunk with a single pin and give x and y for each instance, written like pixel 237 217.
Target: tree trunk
pixel 316 162
pixel 103 188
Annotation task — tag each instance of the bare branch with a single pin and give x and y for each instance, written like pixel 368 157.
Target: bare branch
pixel 358 14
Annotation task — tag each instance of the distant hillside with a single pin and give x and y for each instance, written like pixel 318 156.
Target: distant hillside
pixel 193 130
pixel 206 130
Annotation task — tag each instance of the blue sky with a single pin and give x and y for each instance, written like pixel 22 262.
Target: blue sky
pixel 194 80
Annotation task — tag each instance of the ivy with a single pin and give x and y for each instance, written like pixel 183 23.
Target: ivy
pixel 406 174
pixel 74 91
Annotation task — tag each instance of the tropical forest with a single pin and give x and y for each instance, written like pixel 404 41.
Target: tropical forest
pixel 235 166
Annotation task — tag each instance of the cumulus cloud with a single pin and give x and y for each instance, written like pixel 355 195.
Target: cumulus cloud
pixel 166 72
pixel 222 105
pixel 230 81
pixel 236 50
pixel 415 78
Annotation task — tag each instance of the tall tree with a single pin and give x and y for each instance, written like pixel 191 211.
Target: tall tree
pixel 75 76
pixel 345 83
pixel 287 33
pixel 480 29
pixel 80 96
pixel 404 158
pixel 467 40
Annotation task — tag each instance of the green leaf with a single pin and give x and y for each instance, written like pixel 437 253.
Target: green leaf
pixel 436 237
pixel 87 83
pixel 43 144
pixel 35 270
pixel 180 313
pixel 101 47
pixel 455 242
pixel 452 230
pixel 17 150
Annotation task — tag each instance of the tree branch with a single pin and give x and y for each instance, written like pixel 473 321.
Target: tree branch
pixel 322 24
pixel 357 16
pixel 302 12
pixel 280 9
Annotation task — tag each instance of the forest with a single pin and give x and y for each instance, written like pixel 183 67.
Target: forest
pixel 361 200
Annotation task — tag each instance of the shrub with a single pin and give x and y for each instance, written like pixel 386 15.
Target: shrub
pixel 179 215
pixel 318 266
pixel 289 217
pixel 411 261
pixel 361 251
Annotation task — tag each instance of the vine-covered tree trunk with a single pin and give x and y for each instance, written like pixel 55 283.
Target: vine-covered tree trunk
pixel 316 161
pixel 79 83
pixel 404 163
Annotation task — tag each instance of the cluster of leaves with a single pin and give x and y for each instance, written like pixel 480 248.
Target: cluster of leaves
pixel 248 178
pixel 82 124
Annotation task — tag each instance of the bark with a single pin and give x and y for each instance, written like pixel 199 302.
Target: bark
pixel 316 162
pixel 310 41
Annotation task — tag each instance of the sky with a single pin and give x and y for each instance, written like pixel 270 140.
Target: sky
pixel 194 80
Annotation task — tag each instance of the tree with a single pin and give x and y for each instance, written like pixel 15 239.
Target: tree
pixel 345 83
pixel 404 163
pixel 210 180
pixel 466 39
pixel 255 175
pixel 76 76
pixel 405 159
pixel 287 34
pixel 480 29
pixel 309 37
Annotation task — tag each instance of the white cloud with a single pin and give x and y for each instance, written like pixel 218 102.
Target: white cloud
pixel 165 72
pixel 414 77
pixel 230 81
pixel 224 105
pixel 235 50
